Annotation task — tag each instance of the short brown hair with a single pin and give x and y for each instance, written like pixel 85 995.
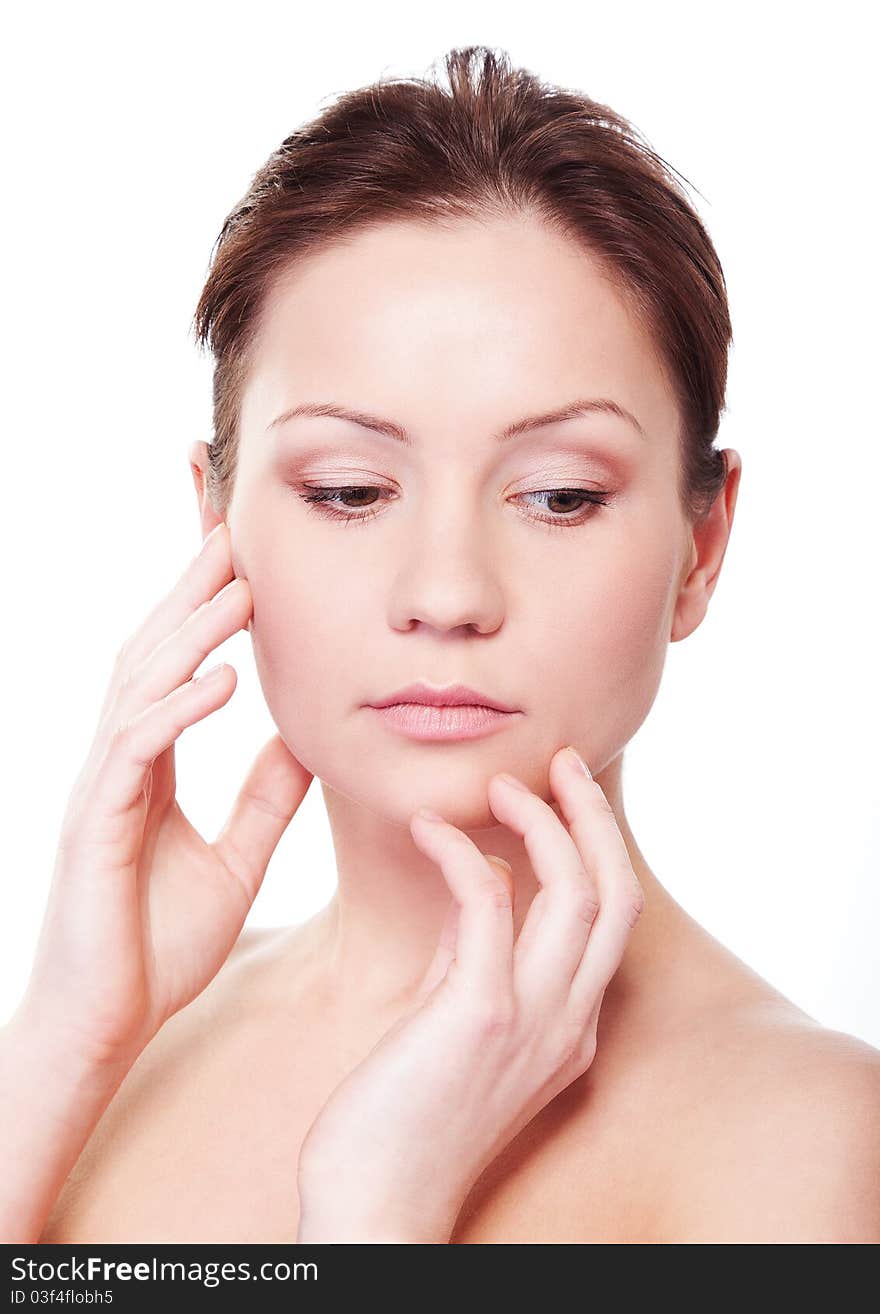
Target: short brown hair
pixel 498 141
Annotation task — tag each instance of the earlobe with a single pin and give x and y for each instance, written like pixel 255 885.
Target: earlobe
pixel 708 546
pixel 691 603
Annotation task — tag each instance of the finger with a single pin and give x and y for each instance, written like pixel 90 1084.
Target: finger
pixel 274 788
pixel 181 652
pixel 505 871
pixel 594 829
pixel 128 753
pixel 207 572
pixel 445 952
pixel 484 941
pixel 555 932
pixel 443 955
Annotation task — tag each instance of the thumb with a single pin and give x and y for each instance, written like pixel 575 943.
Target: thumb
pixel 274 788
pixel 445 953
pixel 505 871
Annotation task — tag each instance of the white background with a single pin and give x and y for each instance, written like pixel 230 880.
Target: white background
pixel 129 134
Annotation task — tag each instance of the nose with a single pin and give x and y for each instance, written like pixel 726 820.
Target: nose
pixel 448 580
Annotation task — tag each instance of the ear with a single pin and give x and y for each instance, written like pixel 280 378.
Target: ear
pixel 198 460
pixel 708 544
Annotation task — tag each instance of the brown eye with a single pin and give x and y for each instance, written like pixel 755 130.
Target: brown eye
pixel 361 499
pixel 326 501
pixel 564 517
pixel 560 496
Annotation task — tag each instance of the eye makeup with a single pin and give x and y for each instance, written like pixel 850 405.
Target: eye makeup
pixel 326 501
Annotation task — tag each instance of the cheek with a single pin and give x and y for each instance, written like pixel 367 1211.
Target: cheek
pixel 304 633
pixel 608 627
pixel 296 625
pixel 603 628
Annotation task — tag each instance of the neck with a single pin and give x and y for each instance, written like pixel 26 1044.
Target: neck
pixel 377 935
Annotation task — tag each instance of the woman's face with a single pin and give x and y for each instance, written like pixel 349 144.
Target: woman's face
pixel 465 565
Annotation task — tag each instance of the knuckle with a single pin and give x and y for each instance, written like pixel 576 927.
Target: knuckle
pixel 127 678
pixel 577 1046
pixel 493 891
pixel 585 902
pixel 124 683
pixel 587 1050
pixel 494 1018
pixel 119 735
pixel 174 696
pixel 203 651
pixel 122 737
pixel 634 905
pixel 600 801
pixel 569 1045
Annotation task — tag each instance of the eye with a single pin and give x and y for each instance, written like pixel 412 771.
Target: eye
pixel 327 502
pixel 590 496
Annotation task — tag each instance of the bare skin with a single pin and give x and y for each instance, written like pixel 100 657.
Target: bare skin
pixel 691 1124
pixel 713 1109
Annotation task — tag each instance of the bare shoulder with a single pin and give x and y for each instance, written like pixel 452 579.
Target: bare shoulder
pixel 781 1142
pixel 714 1111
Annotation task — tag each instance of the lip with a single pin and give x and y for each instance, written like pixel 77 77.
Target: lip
pixel 450 721
pixel 436 695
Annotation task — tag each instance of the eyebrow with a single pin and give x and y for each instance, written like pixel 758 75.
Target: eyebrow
pixel 572 411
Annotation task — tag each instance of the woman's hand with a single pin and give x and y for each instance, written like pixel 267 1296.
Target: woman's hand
pixel 142 912
pixel 499 1026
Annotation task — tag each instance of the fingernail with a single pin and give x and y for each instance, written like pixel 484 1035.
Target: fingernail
pixel 512 780
pixel 500 862
pixel 577 761
pixel 209 538
pixel 226 588
pixel 428 814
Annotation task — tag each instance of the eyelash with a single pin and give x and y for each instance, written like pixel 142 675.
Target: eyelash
pixel 322 499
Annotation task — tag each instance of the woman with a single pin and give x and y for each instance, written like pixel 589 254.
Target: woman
pixel 470 357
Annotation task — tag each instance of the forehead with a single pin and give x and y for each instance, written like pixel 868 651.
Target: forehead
pixel 476 322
